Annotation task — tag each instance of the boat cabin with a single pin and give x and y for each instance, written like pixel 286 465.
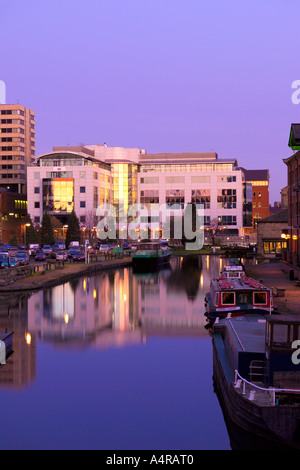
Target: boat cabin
pixel 237 295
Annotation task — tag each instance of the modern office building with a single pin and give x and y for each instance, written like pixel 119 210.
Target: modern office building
pixel 83 178
pixel 17 145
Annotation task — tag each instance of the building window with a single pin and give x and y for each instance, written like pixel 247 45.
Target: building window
pixel 149 196
pixel 37 175
pixel 201 196
pixel 37 190
pixel 37 219
pixel 175 196
pixel 82 174
pixel 82 189
pixel 36 205
pixel 82 203
pixel 82 219
pixel 273 246
pixel 227 219
pixel 226 198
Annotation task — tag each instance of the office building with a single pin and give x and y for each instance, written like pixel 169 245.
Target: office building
pixel 17 146
pixel 83 178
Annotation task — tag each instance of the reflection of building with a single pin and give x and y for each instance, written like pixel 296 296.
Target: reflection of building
pixel 100 310
pixel 20 367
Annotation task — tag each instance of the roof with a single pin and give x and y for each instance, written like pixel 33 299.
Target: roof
pixel 294 137
pixel 255 175
pixel 281 216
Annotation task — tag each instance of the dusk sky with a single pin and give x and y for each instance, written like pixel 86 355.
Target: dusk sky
pixel 162 75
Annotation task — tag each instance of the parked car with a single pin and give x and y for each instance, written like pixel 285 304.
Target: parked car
pixel 74 244
pixel 13 262
pixel 4 260
pixel 40 255
pixel 33 248
pixel 104 248
pixel 47 250
pixel 22 257
pixel 78 256
pixel 61 256
pixel 54 251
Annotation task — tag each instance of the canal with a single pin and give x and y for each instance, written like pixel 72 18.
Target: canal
pixel 115 361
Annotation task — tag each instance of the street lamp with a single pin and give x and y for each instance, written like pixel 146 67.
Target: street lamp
pixel 26 225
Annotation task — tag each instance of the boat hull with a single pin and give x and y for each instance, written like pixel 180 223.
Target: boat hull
pixel 275 425
pixel 150 262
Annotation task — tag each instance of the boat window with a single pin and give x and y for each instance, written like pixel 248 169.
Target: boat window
pixel 260 298
pixel 228 298
pixel 243 298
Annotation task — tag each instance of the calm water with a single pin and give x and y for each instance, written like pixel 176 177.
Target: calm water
pixel 114 361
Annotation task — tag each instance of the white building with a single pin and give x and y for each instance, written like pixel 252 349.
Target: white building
pixel 82 178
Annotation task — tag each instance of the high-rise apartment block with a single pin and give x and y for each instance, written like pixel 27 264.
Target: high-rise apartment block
pixel 17 146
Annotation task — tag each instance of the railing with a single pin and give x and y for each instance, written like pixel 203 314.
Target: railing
pixel 240 381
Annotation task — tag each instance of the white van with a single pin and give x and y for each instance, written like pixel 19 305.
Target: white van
pixel 33 247
pixel 73 244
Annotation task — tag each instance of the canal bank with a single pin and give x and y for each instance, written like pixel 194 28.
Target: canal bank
pixel 60 275
pixel 286 291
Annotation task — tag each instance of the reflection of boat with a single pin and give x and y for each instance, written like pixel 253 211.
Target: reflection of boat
pixel 235 296
pixel 5 345
pixel 150 255
pixel 257 376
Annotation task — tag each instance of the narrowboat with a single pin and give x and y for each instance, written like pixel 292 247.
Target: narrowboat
pixel 235 296
pixel 256 376
pixel 151 255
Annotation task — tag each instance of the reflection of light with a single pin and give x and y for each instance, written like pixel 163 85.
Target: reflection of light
pixel 66 318
pixel 84 284
pixel 125 297
pixel 207 262
pixel 201 280
pixel 94 293
pixel 28 338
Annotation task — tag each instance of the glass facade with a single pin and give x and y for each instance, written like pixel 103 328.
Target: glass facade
pixel 124 185
pixel 58 195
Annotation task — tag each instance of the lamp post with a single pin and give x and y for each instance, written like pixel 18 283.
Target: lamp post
pixel 26 225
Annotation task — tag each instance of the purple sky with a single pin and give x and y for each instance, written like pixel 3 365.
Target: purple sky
pixel 164 75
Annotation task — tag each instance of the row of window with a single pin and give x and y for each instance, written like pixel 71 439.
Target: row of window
pixel 11 130
pixel 13 121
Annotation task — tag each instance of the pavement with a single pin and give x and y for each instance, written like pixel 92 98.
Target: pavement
pixel 271 275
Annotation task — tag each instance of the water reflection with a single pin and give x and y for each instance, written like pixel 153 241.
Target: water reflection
pixel 110 309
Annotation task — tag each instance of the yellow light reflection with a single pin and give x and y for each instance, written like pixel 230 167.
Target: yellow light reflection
pixel 66 318
pixel 94 293
pixel 28 338
pixel 84 284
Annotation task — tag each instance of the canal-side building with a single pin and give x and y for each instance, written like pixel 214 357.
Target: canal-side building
pixel 83 178
pixel 259 179
pixel 291 257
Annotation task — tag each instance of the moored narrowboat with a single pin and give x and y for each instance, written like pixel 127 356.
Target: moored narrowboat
pixel 256 374
pixel 234 296
pixel 150 255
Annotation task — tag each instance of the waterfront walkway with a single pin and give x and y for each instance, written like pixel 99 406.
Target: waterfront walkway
pixel 63 274
pixel 272 276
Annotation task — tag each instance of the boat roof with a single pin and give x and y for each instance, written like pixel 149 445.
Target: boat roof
pixel 235 284
pixel 248 332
